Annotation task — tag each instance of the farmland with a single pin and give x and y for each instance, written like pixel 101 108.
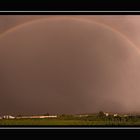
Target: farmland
pixel 71 120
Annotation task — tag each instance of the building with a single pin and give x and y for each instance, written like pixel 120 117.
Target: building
pixel 125 115
pixel 106 114
pixel 82 115
pixel 35 117
pixel 115 115
pixel 53 116
pixel 8 117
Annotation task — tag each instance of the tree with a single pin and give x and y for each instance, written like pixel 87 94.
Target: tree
pixel 47 114
pixel 101 114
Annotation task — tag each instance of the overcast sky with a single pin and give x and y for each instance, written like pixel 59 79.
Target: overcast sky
pixel 69 64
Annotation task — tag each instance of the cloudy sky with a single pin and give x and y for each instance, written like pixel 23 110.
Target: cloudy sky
pixel 69 64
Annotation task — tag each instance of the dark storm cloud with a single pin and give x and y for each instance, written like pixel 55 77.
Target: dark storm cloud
pixel 126 24
pixel 67 66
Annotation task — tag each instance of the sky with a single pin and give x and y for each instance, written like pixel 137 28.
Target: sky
pixel 69 64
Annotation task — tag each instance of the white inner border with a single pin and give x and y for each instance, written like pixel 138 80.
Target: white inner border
pixel 71 11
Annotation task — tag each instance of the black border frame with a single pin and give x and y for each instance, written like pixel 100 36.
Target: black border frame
pixel 61 5
pixel 60 8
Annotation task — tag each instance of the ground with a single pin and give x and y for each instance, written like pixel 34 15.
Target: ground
pixel 75 121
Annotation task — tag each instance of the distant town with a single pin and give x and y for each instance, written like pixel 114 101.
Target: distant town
pixel 92 119
pixel 26 117
pixel 105 114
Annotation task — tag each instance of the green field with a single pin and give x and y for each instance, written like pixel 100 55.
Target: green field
pixel 74 121
pixel 54 122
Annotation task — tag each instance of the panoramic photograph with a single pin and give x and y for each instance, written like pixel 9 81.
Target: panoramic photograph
pixel 70 70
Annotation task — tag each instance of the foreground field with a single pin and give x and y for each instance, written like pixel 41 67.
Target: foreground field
pixel 99 119
pixel 57 122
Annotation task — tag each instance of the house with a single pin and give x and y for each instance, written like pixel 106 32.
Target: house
pixel 106 114
pixel 35 117
pixel 115 115
pixel 125 115
pixel 82 115
pixel 51 116
pixel 8 117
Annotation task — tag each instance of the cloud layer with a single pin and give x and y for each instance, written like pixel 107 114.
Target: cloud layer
pixel 66 65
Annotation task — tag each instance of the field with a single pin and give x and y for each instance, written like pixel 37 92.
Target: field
pixel 54 122
pixel 74 121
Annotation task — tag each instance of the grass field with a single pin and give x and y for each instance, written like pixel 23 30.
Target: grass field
pixel 99 119
pixel 61 122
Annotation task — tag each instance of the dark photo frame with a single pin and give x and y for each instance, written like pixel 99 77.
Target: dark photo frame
pixel 106 8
